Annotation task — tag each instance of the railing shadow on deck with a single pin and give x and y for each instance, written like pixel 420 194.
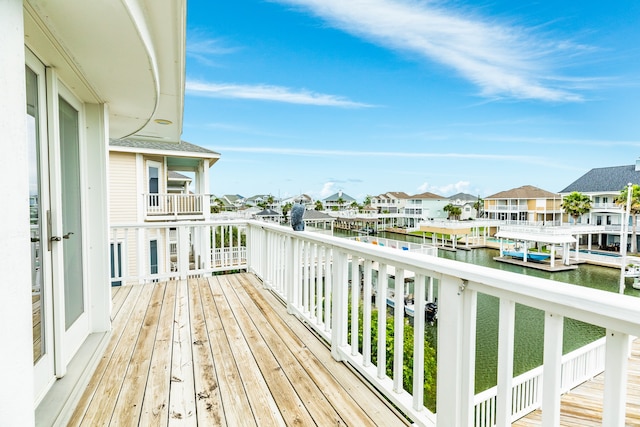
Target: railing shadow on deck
pixel 313 274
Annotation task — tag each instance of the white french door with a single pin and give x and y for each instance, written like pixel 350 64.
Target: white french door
pixel 59 297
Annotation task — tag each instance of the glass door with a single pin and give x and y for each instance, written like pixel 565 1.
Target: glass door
pixel 39 220
pixel 68 206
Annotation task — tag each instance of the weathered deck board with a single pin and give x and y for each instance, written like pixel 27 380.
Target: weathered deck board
pixel 214 352
pixel 582 406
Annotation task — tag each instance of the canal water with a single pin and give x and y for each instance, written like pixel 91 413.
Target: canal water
pixel 529 328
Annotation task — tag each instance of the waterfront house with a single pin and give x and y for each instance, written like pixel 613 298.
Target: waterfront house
pixel 338 201
pixel 603 186
pixel 466 204
pixel 425 207
pixel 392 202
pixel 524 205
pixel 75 74
pixel 305 199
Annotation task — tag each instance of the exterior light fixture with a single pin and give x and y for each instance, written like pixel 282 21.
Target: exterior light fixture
pixel 163 121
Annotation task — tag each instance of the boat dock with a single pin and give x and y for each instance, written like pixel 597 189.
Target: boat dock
pixel 544 266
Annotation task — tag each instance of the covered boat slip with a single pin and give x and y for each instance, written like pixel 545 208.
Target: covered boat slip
pixel 520 253
pixel 220 351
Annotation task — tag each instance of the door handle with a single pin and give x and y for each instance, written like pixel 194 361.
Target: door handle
pixel 66 236
pixel 55 239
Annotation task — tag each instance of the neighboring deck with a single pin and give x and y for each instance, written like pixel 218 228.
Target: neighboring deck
pixel 220 351
pixel 582 406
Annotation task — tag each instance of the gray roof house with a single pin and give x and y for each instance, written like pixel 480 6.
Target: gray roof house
pixel 603 185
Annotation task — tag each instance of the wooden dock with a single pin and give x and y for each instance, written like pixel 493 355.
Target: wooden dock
pixel 215 352
pixel 582 406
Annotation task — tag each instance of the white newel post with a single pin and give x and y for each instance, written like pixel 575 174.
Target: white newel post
pixel 505 362
pixel 183 251
pixel 615 379
pixel 551 376
pixel 456 352
pixel 339 301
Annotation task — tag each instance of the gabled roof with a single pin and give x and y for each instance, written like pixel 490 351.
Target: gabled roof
pixel 394 194
pixel 268 212
pixel 175 176
pixel 314 215
pixel 427 195
pixel 336 196
pixel 464 197
pixel 610 179
pixel 524 192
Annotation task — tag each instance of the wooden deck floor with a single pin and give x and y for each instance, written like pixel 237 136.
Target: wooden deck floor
pixel 219 351
pixel 582 406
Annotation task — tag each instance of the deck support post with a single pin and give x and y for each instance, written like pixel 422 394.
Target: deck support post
pixel 615 379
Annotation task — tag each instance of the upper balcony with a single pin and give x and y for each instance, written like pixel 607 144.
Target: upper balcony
pixel 174 207
pixel 313 276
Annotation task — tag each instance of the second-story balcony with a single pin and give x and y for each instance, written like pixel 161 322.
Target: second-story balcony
pixel 173 207
pixel 313 277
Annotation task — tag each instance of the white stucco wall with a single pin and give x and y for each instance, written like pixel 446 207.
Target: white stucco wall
pixel 16 356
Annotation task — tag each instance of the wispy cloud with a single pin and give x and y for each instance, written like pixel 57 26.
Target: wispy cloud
pixel 204 49
pixel 270 93
pixel 502 59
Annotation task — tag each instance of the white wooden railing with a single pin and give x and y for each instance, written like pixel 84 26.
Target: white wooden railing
pixel 312 274
pixel 174 205
pixel 577 367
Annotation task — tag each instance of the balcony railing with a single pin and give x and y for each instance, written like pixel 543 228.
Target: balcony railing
pixel 314 275
pixel 173 206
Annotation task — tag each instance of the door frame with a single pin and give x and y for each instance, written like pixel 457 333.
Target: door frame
pixel 44 369
pixel 67 341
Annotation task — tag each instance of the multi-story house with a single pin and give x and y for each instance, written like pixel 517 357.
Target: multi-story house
pixel 466 203
pixel 524 205
pixel 425 207
pixel 392 202
pixel 265 201
pixel 603 186
pixel 338 201
pixel 74 75
pixel 147 183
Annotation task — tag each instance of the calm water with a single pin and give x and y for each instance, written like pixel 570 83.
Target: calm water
pixel 529 328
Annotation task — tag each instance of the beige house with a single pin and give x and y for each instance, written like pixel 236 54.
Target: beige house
pixel 390 202
pixel 151 181
pixel 526 204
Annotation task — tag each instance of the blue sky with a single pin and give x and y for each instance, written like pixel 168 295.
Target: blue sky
pixel 370 96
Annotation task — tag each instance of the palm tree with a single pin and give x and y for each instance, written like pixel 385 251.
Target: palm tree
pixel 479 207
pixel 319 206
pixel 340 202
pixel 367 200
pixel 217 205
pixel 634 209
pixel 285 210
pixel 575 205
pixel 449 210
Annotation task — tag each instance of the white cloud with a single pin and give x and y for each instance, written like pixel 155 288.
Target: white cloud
pixel 502 59
pixel 269 93
pixel 445 190
pixel 327 190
